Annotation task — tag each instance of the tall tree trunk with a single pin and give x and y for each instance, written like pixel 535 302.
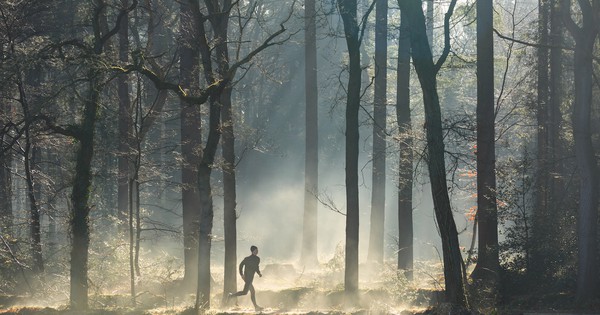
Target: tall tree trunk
pixel 206 207
pixel 229 195
pixel 228 147
pixel 29 165
pixel 84 133
pixel 125 180
pixel 135 159
pixel 427 71
pixel 205 230
pixel 587 215
pixel 124 126
pixel 80 197
pixel 6 213
pixel 311 158
pixel 219 19
pixel 131 230
pixel 540 233
pixel 405 164
pixel 6 160
pixel 31 159
pixel 348 11
pixel 190 143
pixel 555 100
pixel 375 253
pixel 487 214
pixel 138 226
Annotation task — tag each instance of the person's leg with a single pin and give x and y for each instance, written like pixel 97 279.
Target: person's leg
pixel 247 286
pixel 253 298
pixel 253 295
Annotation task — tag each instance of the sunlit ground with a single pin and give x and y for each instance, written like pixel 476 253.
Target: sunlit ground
pixel 284 289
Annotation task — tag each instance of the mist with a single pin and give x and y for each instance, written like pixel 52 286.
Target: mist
pixel 146 147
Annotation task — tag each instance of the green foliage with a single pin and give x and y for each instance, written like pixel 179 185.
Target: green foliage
pixel 516 190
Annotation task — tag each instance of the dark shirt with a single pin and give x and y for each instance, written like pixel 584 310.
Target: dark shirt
pixel 250 266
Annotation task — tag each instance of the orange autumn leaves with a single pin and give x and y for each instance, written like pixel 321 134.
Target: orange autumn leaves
pixel 471 213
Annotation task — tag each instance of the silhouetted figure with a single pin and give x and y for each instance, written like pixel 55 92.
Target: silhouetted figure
pixel 247 268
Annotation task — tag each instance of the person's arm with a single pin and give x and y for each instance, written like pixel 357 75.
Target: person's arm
pixel 242 267
pixel 258 268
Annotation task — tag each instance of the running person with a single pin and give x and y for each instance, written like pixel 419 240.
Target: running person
pixel 247 268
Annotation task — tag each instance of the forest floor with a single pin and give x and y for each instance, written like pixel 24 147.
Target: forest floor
pixel 293 301
pixel 283 290
pixel 299 301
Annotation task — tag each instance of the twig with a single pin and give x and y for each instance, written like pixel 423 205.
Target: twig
pixel 14 257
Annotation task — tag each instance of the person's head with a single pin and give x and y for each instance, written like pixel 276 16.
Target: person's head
pixel 254 250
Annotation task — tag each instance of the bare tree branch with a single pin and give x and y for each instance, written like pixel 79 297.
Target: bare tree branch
pixel 537 45
pixel 446 51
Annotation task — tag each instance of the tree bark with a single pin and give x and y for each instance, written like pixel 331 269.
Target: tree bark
pixel 348 11
pixel 587 214
pixel 487 214
pixel 84 133
pixel 375 253
pixel 218 18
pixel 540 239
pixel 6 213
pixel 229 195
pixel 405 164
pixel 555 100
pixel 191 141
pixel 131 230
pixel 124 126
pixel 228 147
pixel 30 160
pixel 6 161
pixel 80 197
pixel 206 207
pixel 311 158
pixel 427 71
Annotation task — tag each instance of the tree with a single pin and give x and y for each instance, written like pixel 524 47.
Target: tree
pixel 405 141
pixel 229 192
pixel 29 158
pixel 6 161
pixel 228 149
pixel 427 72
pixel 556 96
pixel 189 71
pixel 20 23
pixel 587 214
pixel 84 132
pixel 379 135
pixel 217 81
pixel 540 212
pixel 218 17
pixel 218 20
pixel 311 159
pixel 125 181
pixel 6 213
pixel 124 124
pixel 487 214
pixel 348 12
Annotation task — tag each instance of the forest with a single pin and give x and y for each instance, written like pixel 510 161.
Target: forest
pixel 378 157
